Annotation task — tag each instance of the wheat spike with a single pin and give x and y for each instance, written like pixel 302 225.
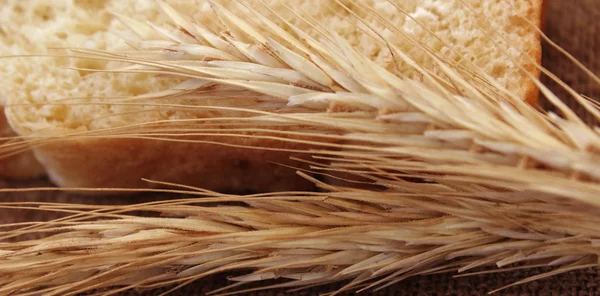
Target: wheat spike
pixel 454 135
pixel 499 182
pixel 371 238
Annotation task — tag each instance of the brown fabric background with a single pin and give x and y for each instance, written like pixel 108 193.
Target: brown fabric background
pixel 574 25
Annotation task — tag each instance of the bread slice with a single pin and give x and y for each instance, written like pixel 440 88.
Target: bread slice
pixel 34 26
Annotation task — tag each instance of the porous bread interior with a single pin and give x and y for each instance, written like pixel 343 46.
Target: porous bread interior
pixel 33 26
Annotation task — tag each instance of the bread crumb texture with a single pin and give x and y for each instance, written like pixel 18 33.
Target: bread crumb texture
pixel 43 95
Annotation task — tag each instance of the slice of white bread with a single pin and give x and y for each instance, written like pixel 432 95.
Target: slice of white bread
pixel 33 26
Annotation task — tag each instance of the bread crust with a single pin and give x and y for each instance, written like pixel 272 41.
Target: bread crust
pixel 123 163
pixel 535 14
pixel 23 165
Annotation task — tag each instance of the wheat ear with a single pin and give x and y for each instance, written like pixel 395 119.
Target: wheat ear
pixel 379 118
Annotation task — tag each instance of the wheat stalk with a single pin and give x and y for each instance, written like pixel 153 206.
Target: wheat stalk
pixel 501 178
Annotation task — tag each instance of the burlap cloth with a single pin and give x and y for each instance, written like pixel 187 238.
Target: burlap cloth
pixel 574 25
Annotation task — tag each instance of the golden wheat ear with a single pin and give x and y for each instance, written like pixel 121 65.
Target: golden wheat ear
pixel 368 239
pixel 498 182
pixel 475 139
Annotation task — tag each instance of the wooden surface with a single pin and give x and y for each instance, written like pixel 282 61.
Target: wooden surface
pixel 574 25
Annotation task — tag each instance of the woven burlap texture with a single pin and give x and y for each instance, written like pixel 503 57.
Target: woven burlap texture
pixel 575 26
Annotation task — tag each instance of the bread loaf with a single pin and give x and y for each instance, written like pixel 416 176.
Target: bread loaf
pixel 44 97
